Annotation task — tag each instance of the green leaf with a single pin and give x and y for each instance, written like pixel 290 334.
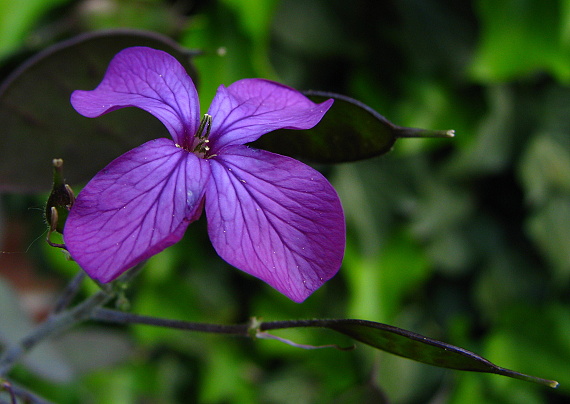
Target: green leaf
pixel 545 169
pixel 349 131
pixel 410 345
pixel 549 228
pixel 536 40
pixel 39 124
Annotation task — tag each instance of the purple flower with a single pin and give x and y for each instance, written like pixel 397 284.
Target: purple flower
pixel 268 215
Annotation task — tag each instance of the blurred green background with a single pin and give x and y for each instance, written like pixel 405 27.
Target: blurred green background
pixel 464 240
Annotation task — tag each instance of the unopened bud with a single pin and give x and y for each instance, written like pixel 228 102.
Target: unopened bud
pixel 59 201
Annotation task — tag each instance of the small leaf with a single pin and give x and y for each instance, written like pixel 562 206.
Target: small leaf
pixel 410 345
pixel 39 124
pixel 349 131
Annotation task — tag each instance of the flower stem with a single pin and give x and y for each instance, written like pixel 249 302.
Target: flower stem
pixel 26 395
pixel 417 133
pixel 120 317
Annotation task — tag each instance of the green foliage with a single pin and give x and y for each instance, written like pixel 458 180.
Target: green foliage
pixel 18 19
pixel 463 240
pixel 521 37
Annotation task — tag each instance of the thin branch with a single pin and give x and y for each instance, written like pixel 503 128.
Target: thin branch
pixel 69 293
pixel 121 317
pixel 245 330
pixel 26 395
pixel 279 325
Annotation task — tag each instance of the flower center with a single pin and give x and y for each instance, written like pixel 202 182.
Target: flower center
pixel 199 144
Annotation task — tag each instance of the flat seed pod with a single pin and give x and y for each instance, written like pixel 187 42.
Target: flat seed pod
pixel 349 131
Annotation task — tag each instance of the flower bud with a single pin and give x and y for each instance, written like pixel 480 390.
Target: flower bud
pixel 60 199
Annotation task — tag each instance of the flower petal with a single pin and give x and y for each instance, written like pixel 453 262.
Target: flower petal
pixel 135 207
pixel 275 218
pixel 250 108
pixel 148 79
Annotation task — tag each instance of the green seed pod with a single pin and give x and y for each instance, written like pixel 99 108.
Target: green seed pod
pixel 349 131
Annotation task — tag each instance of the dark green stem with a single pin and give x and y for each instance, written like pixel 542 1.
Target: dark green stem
pixel 120 317
pixel 402 132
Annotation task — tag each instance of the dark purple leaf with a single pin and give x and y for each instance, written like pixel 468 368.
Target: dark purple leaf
pixel 349 131
pixel 39 124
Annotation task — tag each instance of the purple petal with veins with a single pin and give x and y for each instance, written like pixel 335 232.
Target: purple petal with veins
pixel 148 79
pixel 250 108
pixel 137 206
pixel 275 218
